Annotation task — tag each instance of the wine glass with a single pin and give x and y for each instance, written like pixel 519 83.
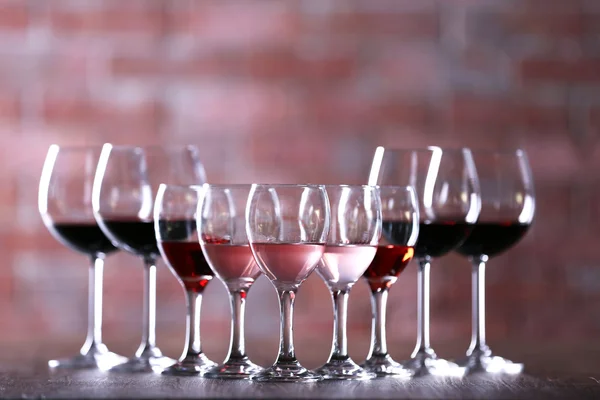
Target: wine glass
pixel 125 185
pixel 222 231
pixel 177 238
pixel 508 207
pixel 65 204
pixel 398 207
pixel 287 227
pixel 354 232
pixel 448 191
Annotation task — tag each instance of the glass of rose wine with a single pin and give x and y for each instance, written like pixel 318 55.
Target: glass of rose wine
pixel 398 206
pixel 125 185
pixel 177 237
pixel 507 210
pixel 65 204
pixel 222 234
pixel 287 227
pixel 447 188
pixel 354 231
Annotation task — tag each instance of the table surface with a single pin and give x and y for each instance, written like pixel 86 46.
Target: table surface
pixel 41 383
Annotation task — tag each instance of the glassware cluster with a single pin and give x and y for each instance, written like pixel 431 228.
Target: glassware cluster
pixel 155 202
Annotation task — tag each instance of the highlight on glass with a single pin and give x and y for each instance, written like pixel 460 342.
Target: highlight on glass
pixel 287 228
pixel 507 211
pixel 65 204
pixel 447 188
pixel 125 186
pixel 222 234
pixel 177 238
pixel 400 215
pixel 354 232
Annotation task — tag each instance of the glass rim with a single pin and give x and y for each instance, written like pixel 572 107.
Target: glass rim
pixel 290 185
pixel 424 149
pixel 168 186
pixel 75 147
pixel 151 146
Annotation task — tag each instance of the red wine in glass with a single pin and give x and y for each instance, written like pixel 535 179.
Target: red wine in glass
pixel 492 238
pixel 85 237
pixel 435 239
pixel 388 264
pixel 136 235
pixel 188 263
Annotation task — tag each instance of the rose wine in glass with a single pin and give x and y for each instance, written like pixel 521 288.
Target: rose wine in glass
pixel 449 201
pixel 354 232
pixel 66 209
pixel 126 181
pixel 508 208
pixel 399 208
pixel 224 242
pixel 177 239
pixel 287 228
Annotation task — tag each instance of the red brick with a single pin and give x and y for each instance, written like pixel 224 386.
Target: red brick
pixel 476 112
pixel 417 25
pixel 543 23
pixel 10 107
pixel 105 21
pixel 236 24
pixel 580 70
pixel 14 16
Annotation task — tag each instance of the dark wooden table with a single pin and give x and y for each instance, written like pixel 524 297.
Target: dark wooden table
pixel 41 383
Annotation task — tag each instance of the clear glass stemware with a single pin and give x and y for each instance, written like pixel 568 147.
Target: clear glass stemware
pixel 508 207
pixel 447 188
pixel 65 205
pixel 287 227
pixel 125 184
pixel 221 223
pixel 177 237
pixel 354 232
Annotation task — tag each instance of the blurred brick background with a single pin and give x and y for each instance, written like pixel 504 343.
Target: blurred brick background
pixel 297 91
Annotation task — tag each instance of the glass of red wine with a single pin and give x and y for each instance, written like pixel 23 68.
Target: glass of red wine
pixel 65 204
pixel 507 210
pixel 177 237
pixel 125 185
pixel 447 188
pixel 398 206
pixel 354 231
pixel 287 227
pixel 221 223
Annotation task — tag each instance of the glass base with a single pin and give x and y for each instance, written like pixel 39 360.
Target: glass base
pixel 101 360
pixel 150 360
pixel 490 364
pixel 289 371
pixel 383 365
pixel 345 369
pixel 191 365
pixel 427 363
pixel 234 369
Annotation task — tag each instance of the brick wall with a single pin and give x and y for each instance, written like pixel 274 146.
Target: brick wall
pixel 303 91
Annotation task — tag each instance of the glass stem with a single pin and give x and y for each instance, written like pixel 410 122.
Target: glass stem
pixel 340 313
pixel 193 346
pixel 378 339
pixel 423 347
pixel 149 308
pixel 478 344
pixel 237 346
pixel 93 340
pixel 286 339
